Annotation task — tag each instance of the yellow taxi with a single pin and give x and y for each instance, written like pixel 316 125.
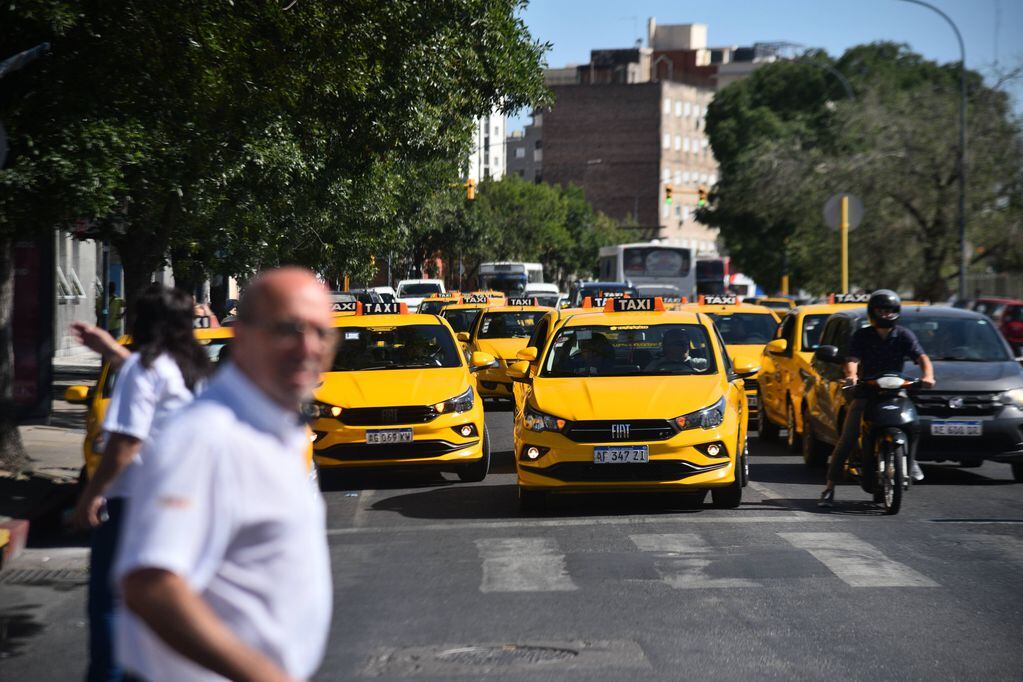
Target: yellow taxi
pixel 400 394
pixel 631 397
pixel 96 399
pixel 502 331
pixel 787 363
pixel 438 302
pixel 462 316
pixel 746 329
pixel 779 303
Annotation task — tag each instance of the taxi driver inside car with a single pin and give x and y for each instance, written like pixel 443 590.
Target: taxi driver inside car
pixel 631 397
pixel 400 394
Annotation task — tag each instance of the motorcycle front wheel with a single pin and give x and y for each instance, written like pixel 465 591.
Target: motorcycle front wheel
pixel 891 470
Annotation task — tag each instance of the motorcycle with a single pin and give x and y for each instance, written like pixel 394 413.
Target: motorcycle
pixel 888 436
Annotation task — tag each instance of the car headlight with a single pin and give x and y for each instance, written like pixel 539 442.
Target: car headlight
pixel 319 410
pixel 460 403
pixel 535 420
pixel 1013 397
pixel 707 418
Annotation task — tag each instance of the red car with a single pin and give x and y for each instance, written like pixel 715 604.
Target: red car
pixel 1012 326
pixel 993 306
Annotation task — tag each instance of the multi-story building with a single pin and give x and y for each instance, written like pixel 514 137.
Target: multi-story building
pixel 488 159
pixel 524 149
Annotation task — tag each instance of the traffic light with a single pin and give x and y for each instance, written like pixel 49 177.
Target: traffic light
pixel 701 196
pixel 668 190
pixel 470 189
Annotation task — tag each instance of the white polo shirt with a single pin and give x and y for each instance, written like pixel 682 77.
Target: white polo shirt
pixel 224 500
pixel 142 400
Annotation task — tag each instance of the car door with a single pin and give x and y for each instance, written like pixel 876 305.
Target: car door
pixel 775 369
pixel 817 383
pixel 834 379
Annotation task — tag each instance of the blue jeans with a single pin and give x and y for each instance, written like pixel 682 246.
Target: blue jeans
pixel 102 663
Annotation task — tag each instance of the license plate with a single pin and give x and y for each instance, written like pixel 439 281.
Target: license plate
pixel 751 400
pixel 615 454
pixel 386 436
pixel 956 427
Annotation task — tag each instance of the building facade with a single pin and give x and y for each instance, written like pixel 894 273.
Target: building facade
pixel 525 150
pixel 488 158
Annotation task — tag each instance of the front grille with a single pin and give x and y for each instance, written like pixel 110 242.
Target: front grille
pixel 641 430
pixel 973 404
pixel 420 449
pixel 384 416
pixel 750 384
pixel 588 472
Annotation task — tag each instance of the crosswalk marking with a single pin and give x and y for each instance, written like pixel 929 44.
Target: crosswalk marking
pixel 856 562
pixel 523 565
pixel 684 560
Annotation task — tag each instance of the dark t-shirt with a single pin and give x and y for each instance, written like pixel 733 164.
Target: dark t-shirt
pixel 880 356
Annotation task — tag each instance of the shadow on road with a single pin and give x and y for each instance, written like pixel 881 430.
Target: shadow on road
pixel 18 625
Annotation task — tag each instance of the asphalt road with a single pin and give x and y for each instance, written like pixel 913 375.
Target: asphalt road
pixel 436 579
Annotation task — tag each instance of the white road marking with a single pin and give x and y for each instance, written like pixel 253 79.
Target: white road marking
pixel 858 563
pixel 687 519
pixel 683 561
pixel 763 490
pixel 1008 546
pixel 361 506
pixel 523 565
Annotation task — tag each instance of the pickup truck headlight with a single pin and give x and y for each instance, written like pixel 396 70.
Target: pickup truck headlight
pixel 1013 397
pixel 460 403
pixel 538 421
pixel 707 418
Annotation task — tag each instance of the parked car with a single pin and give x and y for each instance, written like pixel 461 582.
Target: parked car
pixel 993 306
pixel 1012 326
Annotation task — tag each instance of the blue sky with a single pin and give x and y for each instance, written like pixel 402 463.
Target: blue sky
pixel 992 29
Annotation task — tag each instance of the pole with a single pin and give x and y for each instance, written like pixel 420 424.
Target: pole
pixel 785 284
pixel 961 162
pixel 845 243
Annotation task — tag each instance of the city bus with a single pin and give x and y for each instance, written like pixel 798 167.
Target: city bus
pixel 509 277
pixel 650 263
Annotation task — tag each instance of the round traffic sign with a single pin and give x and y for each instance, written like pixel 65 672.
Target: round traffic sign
pixel 833 211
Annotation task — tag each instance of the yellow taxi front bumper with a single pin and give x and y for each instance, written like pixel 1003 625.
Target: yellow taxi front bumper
pixel 438 443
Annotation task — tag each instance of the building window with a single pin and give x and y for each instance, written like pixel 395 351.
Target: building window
pixel 678 142
pixel 538 145
pixel 520 153
pixel 713 179
pixel 666 175
pixel 678 210
pixel 666 142
pixel 667 107
pixel 678 108
pixel 688 110
pixel 685 214
pixel 537 120
pixel 696 111
pixel 685 178
pixel 685 145
pixel 678 177
pixel 665 210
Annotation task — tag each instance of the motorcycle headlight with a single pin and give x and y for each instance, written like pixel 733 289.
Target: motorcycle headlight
pixel 1013 397
pixel 707 418
pixel 460 403
pixel 320 410
pixel 535 420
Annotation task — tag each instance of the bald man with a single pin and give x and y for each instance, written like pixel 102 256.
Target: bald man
pixel 224 567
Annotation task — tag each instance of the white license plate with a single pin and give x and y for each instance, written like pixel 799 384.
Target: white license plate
pixel 385 436
pixel 751 400
pixel 615 454
pixel 956 427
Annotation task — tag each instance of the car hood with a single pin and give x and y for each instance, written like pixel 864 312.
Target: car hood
pixel 396 387
pixel 973 376
pixel 746 353
pixel 501 348
pixel 657 397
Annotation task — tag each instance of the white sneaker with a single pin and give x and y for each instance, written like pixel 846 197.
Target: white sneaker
pixel 916 473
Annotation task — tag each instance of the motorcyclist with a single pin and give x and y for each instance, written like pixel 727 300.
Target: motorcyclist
pixel 881 348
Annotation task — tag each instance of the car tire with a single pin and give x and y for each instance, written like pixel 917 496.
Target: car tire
pixel 730 497
pixel 1017 471
pixel 532 501
pixel 477 471
pixel 812 449
pixel 766 429
pixel 792 438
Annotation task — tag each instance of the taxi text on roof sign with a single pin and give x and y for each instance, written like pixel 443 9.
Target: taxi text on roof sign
pixel 633 305
pixel 201 322
pixel 718 300
pixel 521 301
pixel 392 308
pixel 849 298
pixel 345 307
pixel 475 298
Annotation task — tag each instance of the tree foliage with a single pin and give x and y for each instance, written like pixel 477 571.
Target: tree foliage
pixel 788 137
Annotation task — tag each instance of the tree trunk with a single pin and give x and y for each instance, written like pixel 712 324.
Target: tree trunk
pixel 12 451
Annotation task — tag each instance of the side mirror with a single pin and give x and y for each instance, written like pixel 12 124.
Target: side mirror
pixel 519 371
pixel 479 361
pixel 463 337
pixel 529 354
pixel 79 395
pixel 778 346
pixel 826 354
pixel 744 368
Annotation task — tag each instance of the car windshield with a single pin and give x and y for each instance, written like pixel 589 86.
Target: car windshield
pixel 419 289
pixel 630 350
pixel 216 351
pixel 744 328
pixel 776 305
pixel 414 346
pixel 813 327
pixel 549 300
pixel 509 325
pixel 461 319
pixel 433 307
pixel 952 338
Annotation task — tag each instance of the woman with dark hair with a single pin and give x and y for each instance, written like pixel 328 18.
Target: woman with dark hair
pixel 165 370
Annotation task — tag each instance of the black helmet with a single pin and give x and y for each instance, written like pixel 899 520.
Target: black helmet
pixel 884 299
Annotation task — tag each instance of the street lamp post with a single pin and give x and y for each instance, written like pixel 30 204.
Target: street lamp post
pixel 962 144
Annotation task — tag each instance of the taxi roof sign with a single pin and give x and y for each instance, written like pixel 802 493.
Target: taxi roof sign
pixel 517 301
pixel 345 307
pixel 848 298
pixel 718 299
pixel 475 298
pixel 634 305
pixel 391 308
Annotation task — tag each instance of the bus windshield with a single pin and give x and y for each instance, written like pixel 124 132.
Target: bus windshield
pixel 655 261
